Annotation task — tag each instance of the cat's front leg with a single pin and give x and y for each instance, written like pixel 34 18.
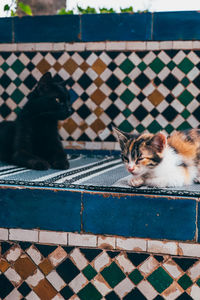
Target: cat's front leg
pixel 60 163
pixel 136 181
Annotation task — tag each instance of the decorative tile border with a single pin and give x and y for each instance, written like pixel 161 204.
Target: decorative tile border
pixel 101 242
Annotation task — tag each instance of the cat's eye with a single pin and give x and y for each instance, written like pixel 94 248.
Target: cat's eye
pixel 139 159
pixel 57 100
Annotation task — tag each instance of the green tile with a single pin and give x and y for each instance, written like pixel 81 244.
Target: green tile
pixel 17 81
pixel 171 65
pixel 17 96
pixel 140 128
pixel 160 280
pixel 186 65
pixel 113 274
pixel 154 127
pixel 185 81
pixel 198 282
pixel 185 281
pixel 186 97
pixel 157 65
pixel 127 112
pixel 126 126
pixel 142 66
pixel 4 66
pixel 127 96
pixel 185 114
pixel 169 128
pixel 185 125
pixel 18 67
pixel 89 272
pixel 136 276
pixel 89 292
pixel 127 66
pixel 17 110
pixel 127 81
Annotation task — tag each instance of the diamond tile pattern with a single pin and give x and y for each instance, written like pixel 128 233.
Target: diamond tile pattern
pixel 153 90
pixel 67 280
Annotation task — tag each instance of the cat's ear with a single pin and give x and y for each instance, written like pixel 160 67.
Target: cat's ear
pixel 121 136
pixel 45 80
pixel 159 141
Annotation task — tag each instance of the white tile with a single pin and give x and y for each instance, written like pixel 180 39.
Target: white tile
pixel 58 46
pixel 193 73
pixel 96 46
pixel 149 265
pixel 58 297
pixel 78 283
pixel 35 278
pixel 13 254
pixel 13 276
pixel 147 290
pixel 179 57
pixel 172 268
pixel 44 46
pixel 57 256
pixel 23 235
pixel 165 45
pixel 32 296
pixel 172 292
pixel 115 46
pixel 8 47
pixel 133 244
pixel 149 57
pixel 101 261
pixel 83 240
pixel 195 292
pixel 124 263
pixel 14 295
pixel 162 247
pixel 79 259
pixel 53 237
pixel 194 271
pixel 106 242
pixel 35 255
pixel 182 44
pixel 3 234
pixel 57 282
pixel 187 249
pixel 196 44
pixel 75 46
pixel 153 45
pixel 136 45
pixel 101 285
pixel 26 47
pixel 124 287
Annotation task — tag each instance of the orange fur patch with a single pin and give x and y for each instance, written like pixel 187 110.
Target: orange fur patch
pixel 186 148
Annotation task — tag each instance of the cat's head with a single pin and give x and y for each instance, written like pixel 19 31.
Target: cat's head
pixel 51 98
pixel 141 153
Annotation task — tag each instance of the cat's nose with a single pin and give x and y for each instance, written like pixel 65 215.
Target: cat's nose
pixel 131 169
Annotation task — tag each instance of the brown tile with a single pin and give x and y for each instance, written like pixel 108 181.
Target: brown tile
pixel 46 266
pixel 45 290
pixel 98 125
pixel 156 97
pixel 43 66
pixel 57 66
pixel 70 126
pixel 99 66
pixel 84 66
pixel 98 96
pixel 24 266
pixel 98 111
pixel 98 81
pixel 4 265
pixel 83 126
pixel 70 66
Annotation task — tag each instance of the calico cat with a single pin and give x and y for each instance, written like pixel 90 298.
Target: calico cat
pixel 32 140
pixel 155 160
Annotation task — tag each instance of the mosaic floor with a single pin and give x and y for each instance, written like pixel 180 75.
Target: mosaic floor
pixel 138 90
pixel 35 271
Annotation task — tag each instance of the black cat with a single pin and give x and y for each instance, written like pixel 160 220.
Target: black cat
pixel 32 140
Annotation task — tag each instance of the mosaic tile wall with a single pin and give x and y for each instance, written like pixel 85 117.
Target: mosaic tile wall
pixel 35 271
pixel 134 90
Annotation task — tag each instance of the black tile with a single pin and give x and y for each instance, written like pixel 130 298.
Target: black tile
pixel 113 96
pixel 141 96
pixel 170 113
pixel 31 54
pixel 5 286
pixel 84 137
pixel 112 254
pixel 25 245
pixel 184 263
pixel 112 296
pixel 158 298
pixel 85 81
pixel 5 247
pixel 45 250
pixel 113 82
pixel 4 96
pixel 68 249
pixel 159 258
pixel 30 82
pixel 171 53
pixel 196 81
pixel 57 55
pixel 169 98
pixel 142 54
pixel 140 113
pixel 110 138
pixel 137 258
pixel 154 113
pixel 112 66
pixel 184 296
pixel 90 254
pixel 5 81
pixel 142 80
pixel 85 54
pixel 198 65
pixel 70 82
pixel 66 292
pixel 197 52
pixel 83 111
pixel 112 54
pixel 30 66
pixel 135 294
pixel 24 289
pixel 170 81
pixel 4 110
pixel 157 81
pixel 67 270
pixel 112 111
pixel 84 96
pixel 5 55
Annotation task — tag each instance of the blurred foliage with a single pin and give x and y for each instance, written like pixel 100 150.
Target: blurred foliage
pixel 14 6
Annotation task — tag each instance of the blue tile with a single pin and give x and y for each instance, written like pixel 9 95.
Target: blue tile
pixel 176 25
pixel 139 216
pixel 116 27
pixel 47 29
pixel 36 208
pixel 5 30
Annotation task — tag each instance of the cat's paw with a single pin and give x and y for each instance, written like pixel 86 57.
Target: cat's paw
pixel 38 164
pixel 136 181
pixel 60 164
pixel 197 180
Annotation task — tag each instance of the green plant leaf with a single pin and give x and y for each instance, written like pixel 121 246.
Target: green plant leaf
pixel 104 10
pixel 127 9
pixel 25 8
pixel 87 10
pixel 6 7
pixel 62 11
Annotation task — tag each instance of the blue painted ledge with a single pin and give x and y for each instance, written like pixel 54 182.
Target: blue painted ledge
pixel 159 26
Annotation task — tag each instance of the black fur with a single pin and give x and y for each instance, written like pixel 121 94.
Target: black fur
pixel 32 140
